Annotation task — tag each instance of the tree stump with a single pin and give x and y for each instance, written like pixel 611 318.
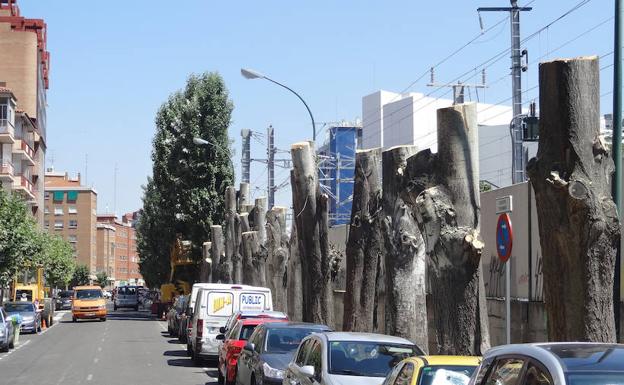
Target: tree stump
pixel 448 216
pixel 250 247
pixel 578 220
pixel 365 244
pixel 220 266
pixel 405 262
pixel 277 255
pixel 230 229
pixel 243 195
pixel 205 268
pixel 259 218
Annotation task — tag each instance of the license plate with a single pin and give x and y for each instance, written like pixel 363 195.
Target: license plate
pixel 90 314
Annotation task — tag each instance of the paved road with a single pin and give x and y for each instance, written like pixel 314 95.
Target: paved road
pixel 129 348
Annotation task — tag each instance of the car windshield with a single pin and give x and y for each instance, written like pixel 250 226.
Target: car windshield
pixel 126 291
pixel 369 359
pixel 19 307
pixel 446 374
pixel 65 294
pixel 595 378
pixel 89 294
pixel 284 340
pixel 246 332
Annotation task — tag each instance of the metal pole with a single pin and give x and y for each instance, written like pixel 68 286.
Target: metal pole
pixel 271 166
pixel 516 75
pixel 508 301
pixel 302 101
pixel 246 155
pixel 617 149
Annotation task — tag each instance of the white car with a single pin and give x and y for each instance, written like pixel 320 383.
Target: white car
pixel 339 358
pixel 107 294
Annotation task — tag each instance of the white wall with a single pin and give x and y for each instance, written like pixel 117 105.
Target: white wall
pixel 372 117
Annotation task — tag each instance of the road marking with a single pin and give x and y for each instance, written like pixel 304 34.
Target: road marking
pixel 18 347
pixel 89 377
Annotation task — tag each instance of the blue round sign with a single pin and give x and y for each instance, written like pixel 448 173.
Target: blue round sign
pixel 504 237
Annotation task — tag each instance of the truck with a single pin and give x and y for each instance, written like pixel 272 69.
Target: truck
pixel 29 285
pixel 182 266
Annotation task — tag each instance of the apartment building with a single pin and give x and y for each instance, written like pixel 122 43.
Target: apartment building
pixel 125 265
pixel 24 64
pixel 105 249
pixel 70 211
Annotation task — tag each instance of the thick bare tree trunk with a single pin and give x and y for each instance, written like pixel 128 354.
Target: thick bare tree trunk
pixel 243 195
pixel 249 248
pixel 277 255
pixel 237 259
pixel 406 303
pixel 311 223
pixel 448 215
pixel 578 221
pixel 259 218
pixel 294 279
pixel 230 228
pixel 220 265
pixel 365 244
pixel 205 269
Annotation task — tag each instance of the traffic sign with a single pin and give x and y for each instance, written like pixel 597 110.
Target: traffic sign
pixel 504 237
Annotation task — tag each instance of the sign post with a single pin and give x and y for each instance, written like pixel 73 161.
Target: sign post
pixel 504 242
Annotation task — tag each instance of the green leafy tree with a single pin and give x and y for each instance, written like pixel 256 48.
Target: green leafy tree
pixel 189 181
pixel 102 279
pixel 57 259
pixel 81 276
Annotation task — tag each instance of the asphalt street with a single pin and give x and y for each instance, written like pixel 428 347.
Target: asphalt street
pixel 129 348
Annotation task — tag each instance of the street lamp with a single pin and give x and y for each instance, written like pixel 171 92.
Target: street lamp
pixel 251 74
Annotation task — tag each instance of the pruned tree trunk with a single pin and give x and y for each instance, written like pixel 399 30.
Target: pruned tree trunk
pixel 250 249
pixel 448 216
pixel 230 229
pixel 311 225
pixel 246 208
pixel 277 255
pixel 406 302
pixel 365 244
pixel 578 221
pixel 243 195
pixel 259 218
pixel 294 279
pixel 237 259
pixel 205 269
pixel 220 265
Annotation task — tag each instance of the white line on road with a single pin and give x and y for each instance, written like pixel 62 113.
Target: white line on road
pixel 89 377
pixel 18 347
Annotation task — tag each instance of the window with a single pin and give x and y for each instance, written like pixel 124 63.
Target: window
pixel 506 372
pixel 72 210
pixel 58 210
pixel 123 258
pixel 73 223
pixel 234 332
pixel 378 357
pixel 537 376
pixel 58 196
pixel 315 358
pixel 258 341
pixel 405 375
pixel 46 224
pixel 72 196
pixel 72 238
pixel 46 195
pixel 58 224
pixel 46 210
pixel 73 246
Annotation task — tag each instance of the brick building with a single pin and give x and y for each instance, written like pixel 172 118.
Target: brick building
pixel 24 64
pixel 125 264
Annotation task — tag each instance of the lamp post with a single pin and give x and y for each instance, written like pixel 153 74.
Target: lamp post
pixel 251 74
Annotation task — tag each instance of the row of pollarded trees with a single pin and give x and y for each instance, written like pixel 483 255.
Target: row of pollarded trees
pixel 416 231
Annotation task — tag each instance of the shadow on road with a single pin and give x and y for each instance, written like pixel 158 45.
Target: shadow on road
pixel 185 362
pixel 175 353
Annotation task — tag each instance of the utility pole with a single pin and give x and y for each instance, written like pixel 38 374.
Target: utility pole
pixel 617 152
pixel 517 172
pixel 270 167
pixel 246 155
pixel 458 88
pixel 517 148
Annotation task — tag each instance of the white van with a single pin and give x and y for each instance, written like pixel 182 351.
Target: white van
pixel 216 302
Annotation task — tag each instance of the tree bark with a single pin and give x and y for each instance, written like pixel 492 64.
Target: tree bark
pixel 365 244
pixel 406 303
pixel 237 259
pixel 243 195
pixel 251 270
pixel 578 221
pixel 277 250
pixel 259 219
pixel 220 265
pixel 230 229
pixel 448 216
pixel 294 278
pixel 311 225
pixel 205 269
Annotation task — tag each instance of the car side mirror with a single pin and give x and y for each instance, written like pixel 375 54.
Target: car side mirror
pixel 249 346
pixel 220 337
pixel 307 371
pixel 222 330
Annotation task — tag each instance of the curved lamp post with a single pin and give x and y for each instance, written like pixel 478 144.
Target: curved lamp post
pixel 251 74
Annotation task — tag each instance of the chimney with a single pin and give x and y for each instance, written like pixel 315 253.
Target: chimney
pixel 78 178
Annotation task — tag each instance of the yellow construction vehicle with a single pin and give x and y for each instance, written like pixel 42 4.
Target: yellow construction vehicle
pixel 29 286
pixel 179 278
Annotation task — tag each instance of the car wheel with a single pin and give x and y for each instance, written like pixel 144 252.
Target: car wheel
pixel 103 319
pixel 12 343
pixel 74 319
pixel 5 348
pixel 196 359
pixel 253 380
pixel 189 351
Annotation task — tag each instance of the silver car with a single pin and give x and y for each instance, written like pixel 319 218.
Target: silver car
pixel 563 363
pixel 128 297
pixel 340 358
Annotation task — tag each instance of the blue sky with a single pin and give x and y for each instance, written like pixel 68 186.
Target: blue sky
pixel 114 63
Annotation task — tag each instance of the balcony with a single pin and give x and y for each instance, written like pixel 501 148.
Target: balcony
pixel 25 151
pixel 7 131
pixel 6 171
pixel 23 185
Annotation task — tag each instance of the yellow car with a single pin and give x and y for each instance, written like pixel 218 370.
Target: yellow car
pixel 433 370
pixel 88 303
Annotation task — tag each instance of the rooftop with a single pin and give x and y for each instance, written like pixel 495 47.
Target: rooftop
pixel 588 356
pixel 370 337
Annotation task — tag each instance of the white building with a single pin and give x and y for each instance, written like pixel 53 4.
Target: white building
pixel 391 119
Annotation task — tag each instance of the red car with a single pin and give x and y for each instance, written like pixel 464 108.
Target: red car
pixel 233 342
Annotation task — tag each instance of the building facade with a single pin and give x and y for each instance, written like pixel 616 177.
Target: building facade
pixel 70 212
pixel 121 244
pixel 24 65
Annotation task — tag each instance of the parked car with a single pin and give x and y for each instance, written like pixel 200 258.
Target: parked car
pixel 560 363
pixel 64 299
pixel 107 294
pixel 355 358
pixel 238 315
pixel 174 314
pixel 7 334
pixel 428 370
pixel 214 304
pixel 126 297
pixel 88 303
pixel 31 318
pixel 269 350
pixel 233 343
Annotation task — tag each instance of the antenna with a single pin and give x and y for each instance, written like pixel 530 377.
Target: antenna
pixel 115 190
pixel 481 22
